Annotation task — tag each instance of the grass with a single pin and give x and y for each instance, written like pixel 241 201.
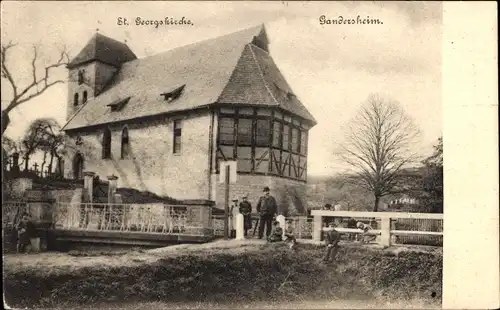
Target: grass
pixel 241 274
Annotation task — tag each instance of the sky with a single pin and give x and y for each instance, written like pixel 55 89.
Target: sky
pixel 331 68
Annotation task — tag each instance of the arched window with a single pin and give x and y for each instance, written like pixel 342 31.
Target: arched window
pixel 106 144
pixel 81 77
pixel 78 166
pixel 75 99
pixel 84 97
pixel 125 144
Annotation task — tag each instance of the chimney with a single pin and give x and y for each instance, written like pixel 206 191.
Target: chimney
pixel 88 184
pixel 112 188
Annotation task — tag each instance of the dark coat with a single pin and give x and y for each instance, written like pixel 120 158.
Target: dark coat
pixel 29 228
pixel 276 234
pixel 267 206
pixel 246 210
pixel 332 237
pixel 245 207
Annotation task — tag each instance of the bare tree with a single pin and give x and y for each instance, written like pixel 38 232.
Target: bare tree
pixel 9 146
pixel 38 85
pixel 37 138
pixel 378 145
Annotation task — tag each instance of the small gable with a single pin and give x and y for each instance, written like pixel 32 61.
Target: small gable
pixel 119 104
pixel 173 94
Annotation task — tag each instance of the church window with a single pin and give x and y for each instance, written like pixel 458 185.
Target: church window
pixel 78 164
pixel 303 143
pixel 286 133
pixel 244 131
pixel 295 140
pixel 226 131
pixel 177 136
pixel 75 99
pixel 262 132
pixel 277 134
pixel 84 97
pixel 81 77
pixel 125 144
pixel 106 144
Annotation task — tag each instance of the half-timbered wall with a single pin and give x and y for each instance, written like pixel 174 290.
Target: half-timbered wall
pixel 263 141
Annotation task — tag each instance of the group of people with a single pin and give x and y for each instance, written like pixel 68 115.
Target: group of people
pixel 267 208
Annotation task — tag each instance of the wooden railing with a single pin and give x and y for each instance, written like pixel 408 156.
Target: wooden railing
pixel 388 227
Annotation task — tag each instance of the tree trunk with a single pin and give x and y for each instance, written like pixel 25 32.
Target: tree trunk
pixel 5 121
pixel 26 161
pixel 375 207
pixel 43 163
pixel 51 162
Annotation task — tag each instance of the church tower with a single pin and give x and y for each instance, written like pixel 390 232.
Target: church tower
pixel 93 68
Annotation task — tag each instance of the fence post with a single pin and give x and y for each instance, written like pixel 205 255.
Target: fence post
pixel 88 184
pixel 240 234
pixel 317 227
pixel 385 229
pixel 281 219
pixel 112 187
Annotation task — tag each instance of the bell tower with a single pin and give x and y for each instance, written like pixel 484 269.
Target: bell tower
pixel 93 68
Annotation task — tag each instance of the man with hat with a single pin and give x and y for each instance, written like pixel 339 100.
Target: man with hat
pixel 267 209
pixel 246 210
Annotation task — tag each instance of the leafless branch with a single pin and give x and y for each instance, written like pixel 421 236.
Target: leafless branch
pixel 378 145
pixel 38 85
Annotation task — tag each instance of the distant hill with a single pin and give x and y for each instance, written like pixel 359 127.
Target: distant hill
pixel 337 191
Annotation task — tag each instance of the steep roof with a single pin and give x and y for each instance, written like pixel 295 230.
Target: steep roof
pixel 103 49
pixel 227 69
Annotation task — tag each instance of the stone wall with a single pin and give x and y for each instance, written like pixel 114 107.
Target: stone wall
pixel 15 188
pixel 152 165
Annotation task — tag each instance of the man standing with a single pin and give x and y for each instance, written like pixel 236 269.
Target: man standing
pixel 267 209
pixel 246 210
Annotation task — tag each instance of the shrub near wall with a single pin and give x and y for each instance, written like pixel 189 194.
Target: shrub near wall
pixel 271 272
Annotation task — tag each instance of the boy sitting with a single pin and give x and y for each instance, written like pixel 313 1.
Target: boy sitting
pixel 332 238
pixel 290 235
pixel 368 235
pixel 276 233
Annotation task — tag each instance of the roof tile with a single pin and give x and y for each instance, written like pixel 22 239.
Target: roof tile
pixel 226 69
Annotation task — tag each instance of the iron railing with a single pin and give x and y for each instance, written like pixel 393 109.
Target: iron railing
pixel 147 218
pixel 11 212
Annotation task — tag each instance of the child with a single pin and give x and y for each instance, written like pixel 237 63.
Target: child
pixel 367 232
pixel 351 223
pixel 290 235
pixel 276 233
pixel 332 238
pixel 25 231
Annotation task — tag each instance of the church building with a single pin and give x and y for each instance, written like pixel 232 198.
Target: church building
pixel 163 123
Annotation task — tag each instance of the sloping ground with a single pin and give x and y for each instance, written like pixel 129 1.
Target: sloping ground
pixel 233 272
pixel 131 195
